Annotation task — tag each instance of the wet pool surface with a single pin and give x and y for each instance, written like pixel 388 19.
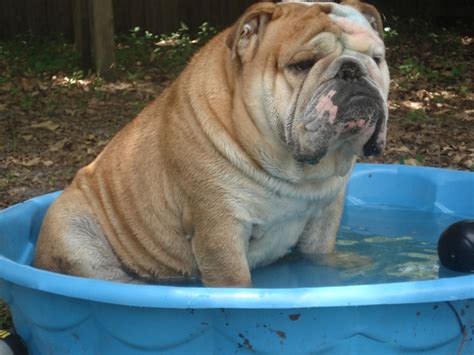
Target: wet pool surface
pixel 374 245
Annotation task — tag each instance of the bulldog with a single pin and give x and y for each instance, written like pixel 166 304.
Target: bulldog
pixel 245 157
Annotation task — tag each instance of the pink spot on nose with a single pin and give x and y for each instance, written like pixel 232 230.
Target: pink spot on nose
pixel 325 105
pixel 361 123
pixel 351 125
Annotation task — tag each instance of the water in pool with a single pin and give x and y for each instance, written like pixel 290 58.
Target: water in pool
pixel 375 245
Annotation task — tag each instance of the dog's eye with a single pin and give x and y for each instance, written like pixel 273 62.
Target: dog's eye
pixel 302 66
pixel 377 60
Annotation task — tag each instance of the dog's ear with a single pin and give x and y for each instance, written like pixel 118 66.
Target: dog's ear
pixel 370 13
pixel 246 33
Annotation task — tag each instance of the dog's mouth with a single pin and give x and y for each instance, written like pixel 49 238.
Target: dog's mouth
pixel 376 143
pixel 341 113
pixel 362 121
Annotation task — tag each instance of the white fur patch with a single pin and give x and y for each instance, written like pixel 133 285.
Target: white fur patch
pixel 338 11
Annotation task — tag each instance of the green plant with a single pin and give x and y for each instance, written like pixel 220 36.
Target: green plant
pixel 458 72
pixel 420 158
pixel 417 115
pixel 14 90
pixel 136 47
pixel 5 317
pixel 412 66
pixel 138 106
pixel 438 98
pixel 77 75
pixel 414 70
pixel 463 90
pixel 26 102
pixel 33 56
pixel 174 50
pixel 390 34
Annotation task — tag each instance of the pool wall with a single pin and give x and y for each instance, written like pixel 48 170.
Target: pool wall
pixel 58 314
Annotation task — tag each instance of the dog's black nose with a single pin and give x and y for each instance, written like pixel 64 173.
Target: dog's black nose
pixel 350 70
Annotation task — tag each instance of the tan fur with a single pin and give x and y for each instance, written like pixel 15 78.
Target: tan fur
pixel 201 178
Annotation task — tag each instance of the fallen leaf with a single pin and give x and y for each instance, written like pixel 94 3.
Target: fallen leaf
pixel 48 163
pixel 27 137
pixel 42 86
pixel 70 112
pixel 93 102
pixel 469 164
pixel 32 162
pixel 8 86
pixel 50 125
pixel 412 162
pixel 55 147
pixel 91 112
pixel 457 158
pixel 403 149
pixel 28 84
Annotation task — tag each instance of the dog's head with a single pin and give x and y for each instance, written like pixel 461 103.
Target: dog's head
pixel 316 73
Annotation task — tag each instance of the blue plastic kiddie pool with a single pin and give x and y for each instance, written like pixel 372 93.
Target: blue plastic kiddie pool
pixel 295 306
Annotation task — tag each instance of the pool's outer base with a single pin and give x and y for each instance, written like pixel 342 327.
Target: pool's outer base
pixel 58 325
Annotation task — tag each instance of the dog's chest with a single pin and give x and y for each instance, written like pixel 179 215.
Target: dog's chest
pixel 277 225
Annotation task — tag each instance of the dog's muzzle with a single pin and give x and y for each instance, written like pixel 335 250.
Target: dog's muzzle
pixel 348 108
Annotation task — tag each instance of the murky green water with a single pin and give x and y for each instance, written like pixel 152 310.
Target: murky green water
pixel 390 259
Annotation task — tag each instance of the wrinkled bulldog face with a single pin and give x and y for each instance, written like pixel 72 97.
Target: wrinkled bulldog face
pixel 325 82
pixel 339 92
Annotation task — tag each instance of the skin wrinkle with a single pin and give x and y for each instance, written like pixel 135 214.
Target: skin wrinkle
pixel 203 127
pixel 229 126
pixel 131 242
pixel 103 201
pixel 357 37
pixel 125 222
pixel 296 146
pixel 289 126
pixel 247 111
pixel 195 112
pixel 257 128
pixel 279 127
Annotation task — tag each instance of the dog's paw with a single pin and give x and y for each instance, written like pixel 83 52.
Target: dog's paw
pixel 342 260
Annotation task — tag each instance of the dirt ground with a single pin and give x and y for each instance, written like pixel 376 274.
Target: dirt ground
pixel 51 125
pixel 53 121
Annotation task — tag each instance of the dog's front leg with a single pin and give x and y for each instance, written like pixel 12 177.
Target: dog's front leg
pixel 318 242
pixel 220 248
pixel 319 236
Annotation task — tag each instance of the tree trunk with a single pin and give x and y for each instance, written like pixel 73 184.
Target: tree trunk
pixel 82 34
pixel 102 29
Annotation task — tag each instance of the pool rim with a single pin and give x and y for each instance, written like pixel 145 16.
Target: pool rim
pixel 427 291
pixel 155 296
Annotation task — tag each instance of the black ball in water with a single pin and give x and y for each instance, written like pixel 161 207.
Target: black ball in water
pixel 456 247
